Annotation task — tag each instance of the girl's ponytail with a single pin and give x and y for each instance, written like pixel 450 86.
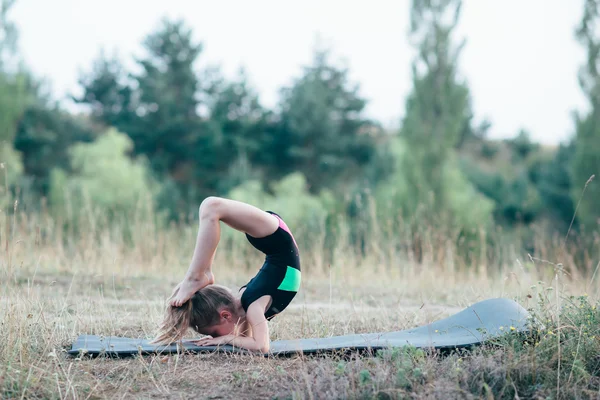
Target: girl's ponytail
pixel 175 325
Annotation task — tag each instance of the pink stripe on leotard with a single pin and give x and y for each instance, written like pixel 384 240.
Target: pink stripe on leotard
pixel 284 226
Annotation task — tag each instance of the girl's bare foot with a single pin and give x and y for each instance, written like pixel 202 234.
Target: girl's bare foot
pixel 186 289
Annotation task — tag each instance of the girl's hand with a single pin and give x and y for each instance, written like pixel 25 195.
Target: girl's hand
pixel 210 341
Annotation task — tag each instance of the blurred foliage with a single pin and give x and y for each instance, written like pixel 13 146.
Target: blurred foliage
pixel 516 199
pixel 290 198
pixel 555 187
pixel 437 110
pixel 107 93
pixel 242 131
pixel 469 208
pixel 11 166
pixel 157 107
pixel 324 134
pixel 14 97
pixel 171 134
pixel 104 178
pixel 44 134
pixel 586 160
pixel 8 35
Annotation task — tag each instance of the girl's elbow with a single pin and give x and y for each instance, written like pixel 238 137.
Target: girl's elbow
pixel 265 347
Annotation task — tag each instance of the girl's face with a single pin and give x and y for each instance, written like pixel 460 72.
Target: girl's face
pixel 226 326
pixel 223 329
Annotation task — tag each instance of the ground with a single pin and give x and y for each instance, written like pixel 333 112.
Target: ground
pixel 54 288
pixel 54 308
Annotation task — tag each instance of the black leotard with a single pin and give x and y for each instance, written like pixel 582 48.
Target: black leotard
pixel 280 275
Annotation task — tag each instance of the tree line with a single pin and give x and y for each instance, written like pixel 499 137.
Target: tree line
pixel 179 134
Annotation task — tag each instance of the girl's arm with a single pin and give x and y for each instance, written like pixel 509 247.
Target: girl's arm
pixel 240 216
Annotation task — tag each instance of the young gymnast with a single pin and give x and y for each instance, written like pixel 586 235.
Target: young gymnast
pixel 237 319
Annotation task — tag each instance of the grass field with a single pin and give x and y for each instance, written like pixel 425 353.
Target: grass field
pixel 59 283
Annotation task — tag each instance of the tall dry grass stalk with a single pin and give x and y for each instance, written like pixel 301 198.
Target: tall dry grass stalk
pixel 86 242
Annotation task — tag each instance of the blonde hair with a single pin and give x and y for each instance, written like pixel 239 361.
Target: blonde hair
pixel 201 311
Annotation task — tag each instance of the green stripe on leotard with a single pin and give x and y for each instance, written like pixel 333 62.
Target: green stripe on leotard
pixel 291 281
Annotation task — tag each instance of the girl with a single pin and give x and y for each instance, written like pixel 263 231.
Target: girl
pixel 227 318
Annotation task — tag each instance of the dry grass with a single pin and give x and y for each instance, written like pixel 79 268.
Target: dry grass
pixel 84 276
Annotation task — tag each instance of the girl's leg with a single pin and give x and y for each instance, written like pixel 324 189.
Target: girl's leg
pixel 238 215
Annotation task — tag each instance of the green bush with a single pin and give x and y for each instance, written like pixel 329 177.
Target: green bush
pixel 105 178
pixel 12 165
pixel 290 198
pixel 465 206
pixel 11 171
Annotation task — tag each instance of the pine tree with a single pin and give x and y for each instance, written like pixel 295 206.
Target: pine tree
pixel 586 160
pixel 169 127
pixel 8 34
pixel 324 133
pixel 242 134
pixel 554 186
pixel 45 134
pixel 108 93
pixel 14 95
pixel 438 109
pixel 159 108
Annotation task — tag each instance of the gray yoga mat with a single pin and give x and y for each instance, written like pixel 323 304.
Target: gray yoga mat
pixel 483 321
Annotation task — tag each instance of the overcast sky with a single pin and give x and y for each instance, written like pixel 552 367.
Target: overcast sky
pixel 521 58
